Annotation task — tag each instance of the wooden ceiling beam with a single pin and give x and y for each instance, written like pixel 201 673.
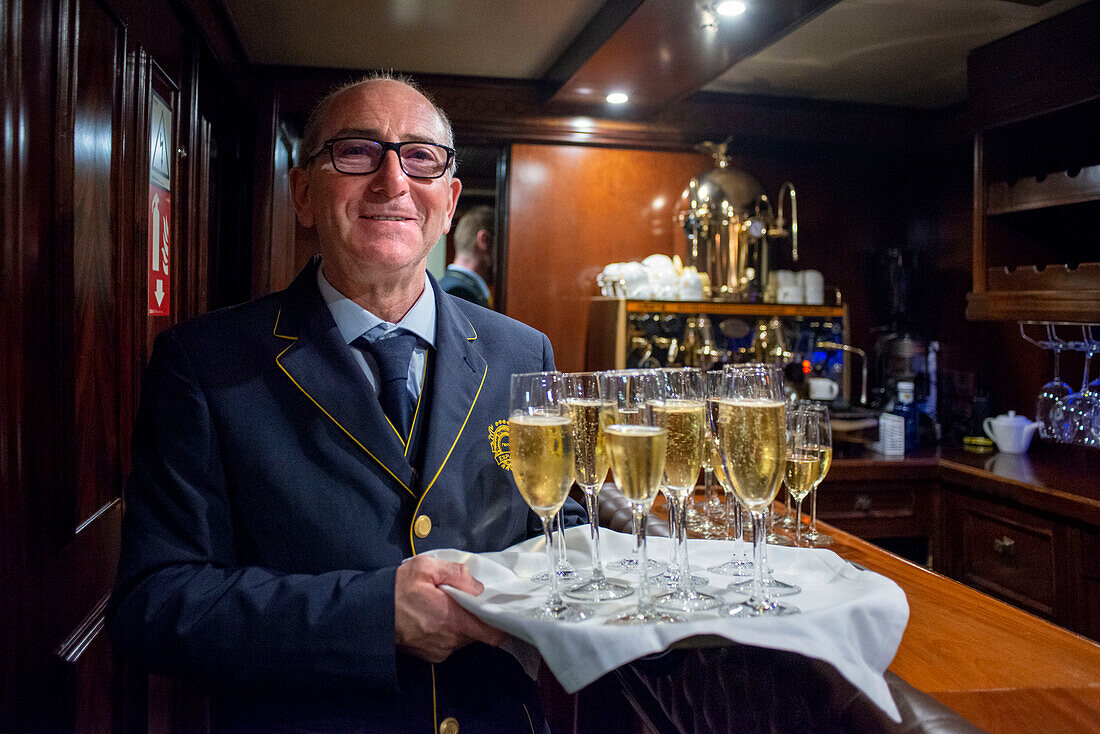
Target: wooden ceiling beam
pixel 662 53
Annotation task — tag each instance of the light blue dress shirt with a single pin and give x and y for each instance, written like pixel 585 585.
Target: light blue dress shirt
pixel 354 321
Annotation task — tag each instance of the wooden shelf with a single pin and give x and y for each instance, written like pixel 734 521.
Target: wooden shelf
pixel 1056 189
pixel 725 308
pixel 1056 305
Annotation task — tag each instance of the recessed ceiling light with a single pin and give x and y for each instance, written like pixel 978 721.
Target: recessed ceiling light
pixel 617 98
pixel 729 8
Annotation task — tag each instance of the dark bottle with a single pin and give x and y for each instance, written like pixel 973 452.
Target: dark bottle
pixel 905 408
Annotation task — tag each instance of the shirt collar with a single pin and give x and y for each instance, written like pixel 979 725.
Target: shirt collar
pixel 354 321
pixel 478 280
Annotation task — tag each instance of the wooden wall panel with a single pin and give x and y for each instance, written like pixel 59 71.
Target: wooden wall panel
pixel 572 210
pixel 96 265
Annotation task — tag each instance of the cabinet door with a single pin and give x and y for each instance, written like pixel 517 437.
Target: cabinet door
pixel 1013 554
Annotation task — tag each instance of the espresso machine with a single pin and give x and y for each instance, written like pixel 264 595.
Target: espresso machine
pixel 729 224
pixel 900 352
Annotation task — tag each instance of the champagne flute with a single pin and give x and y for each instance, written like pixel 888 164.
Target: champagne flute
pixel 824 443
pixel 717 390
pixel 752 441
pixel 636 448
pixel 803 460
pixel 630 416
pixel 679 410
pixel 540 444
pixel 590 413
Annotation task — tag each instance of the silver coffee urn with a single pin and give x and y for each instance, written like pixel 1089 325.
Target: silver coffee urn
pixel 729 223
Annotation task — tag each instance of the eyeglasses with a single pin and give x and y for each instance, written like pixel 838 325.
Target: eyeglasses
pixel 360 156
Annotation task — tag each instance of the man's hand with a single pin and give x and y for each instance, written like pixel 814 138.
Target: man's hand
pixel 427 622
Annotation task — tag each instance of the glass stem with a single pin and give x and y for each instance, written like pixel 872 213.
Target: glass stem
pixel 738 526
pixel 684 569
pixel 675 521
pixel 559 520
pixel 644 601
pixel 798 523
pixel 759 533
pixel 593 501
pixel 555 600
pixel 813 511
pixel 1057 371
pixel 637 538
pixel 710 498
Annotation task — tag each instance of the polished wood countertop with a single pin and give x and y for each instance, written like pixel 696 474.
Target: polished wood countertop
pixel 1063 480
pixel 999 667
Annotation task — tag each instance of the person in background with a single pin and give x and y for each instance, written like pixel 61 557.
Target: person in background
pixel 466 277
pixel 296 455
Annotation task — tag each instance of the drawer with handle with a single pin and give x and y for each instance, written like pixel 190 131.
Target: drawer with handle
pixel 1009 554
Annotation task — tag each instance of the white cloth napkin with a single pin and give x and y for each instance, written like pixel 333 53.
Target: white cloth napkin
pixel 851 618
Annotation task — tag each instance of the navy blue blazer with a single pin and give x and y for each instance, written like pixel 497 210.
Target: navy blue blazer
pixel 460 283
pixel 268 510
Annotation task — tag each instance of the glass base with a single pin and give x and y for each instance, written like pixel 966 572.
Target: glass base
pixel 781 539
pixel 691 601
pixel 736 567
pixel 772 587
pixel 650 616
pixel 600 590
pixel 665 580
pixel 816 539
pixel 560 613
pixel 631 564
pixel 769 608
pixel 785 521
pixel 565 576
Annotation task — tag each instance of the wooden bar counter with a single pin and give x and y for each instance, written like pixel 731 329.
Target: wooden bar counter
pixel 999 667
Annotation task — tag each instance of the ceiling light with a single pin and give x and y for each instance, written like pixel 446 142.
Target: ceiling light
pixel 728 8
pixel 617 98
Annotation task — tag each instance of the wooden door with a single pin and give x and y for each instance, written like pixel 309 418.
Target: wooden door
pixel 106 178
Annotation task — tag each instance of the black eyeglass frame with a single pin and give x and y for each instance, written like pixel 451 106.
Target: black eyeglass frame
pixel 386 147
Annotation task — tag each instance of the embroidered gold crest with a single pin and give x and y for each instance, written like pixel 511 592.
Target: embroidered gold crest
pixel 498 442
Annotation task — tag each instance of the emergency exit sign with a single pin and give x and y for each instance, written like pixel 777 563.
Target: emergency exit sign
pixel 160 207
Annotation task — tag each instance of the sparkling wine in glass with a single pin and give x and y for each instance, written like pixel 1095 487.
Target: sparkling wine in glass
pixel 679 409
pixel 803 460
pixel 752 441
pixel 824 444
pixel 717 387
pixel 636 446
pixel 541 456
pixel 590 414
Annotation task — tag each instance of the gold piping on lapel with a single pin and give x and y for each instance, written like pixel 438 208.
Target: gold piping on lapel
pixel 346 431
pixel 470 338
pixel 435 713
pixel 275 330
pixel 412 542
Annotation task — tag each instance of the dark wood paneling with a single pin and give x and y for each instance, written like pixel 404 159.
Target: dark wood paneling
pixel 1050 65
pixel 572 210
pixel 98 379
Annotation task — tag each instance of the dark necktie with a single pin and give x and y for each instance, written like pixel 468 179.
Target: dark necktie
pixel 392 355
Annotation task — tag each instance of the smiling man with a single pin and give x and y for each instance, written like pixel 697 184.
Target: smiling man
pixel 294 455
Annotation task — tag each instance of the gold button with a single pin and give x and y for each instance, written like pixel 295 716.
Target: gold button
pixel 422 527
pixel 450 724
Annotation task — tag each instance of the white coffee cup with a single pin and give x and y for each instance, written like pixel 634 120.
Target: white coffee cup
pixel 822 388
pixel 814 285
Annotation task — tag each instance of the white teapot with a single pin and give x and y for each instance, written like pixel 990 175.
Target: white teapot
pixel 1012 433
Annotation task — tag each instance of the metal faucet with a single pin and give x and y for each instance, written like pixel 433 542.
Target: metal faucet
pixel 863 357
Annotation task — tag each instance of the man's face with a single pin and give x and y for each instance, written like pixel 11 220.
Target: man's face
pixel 383 223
